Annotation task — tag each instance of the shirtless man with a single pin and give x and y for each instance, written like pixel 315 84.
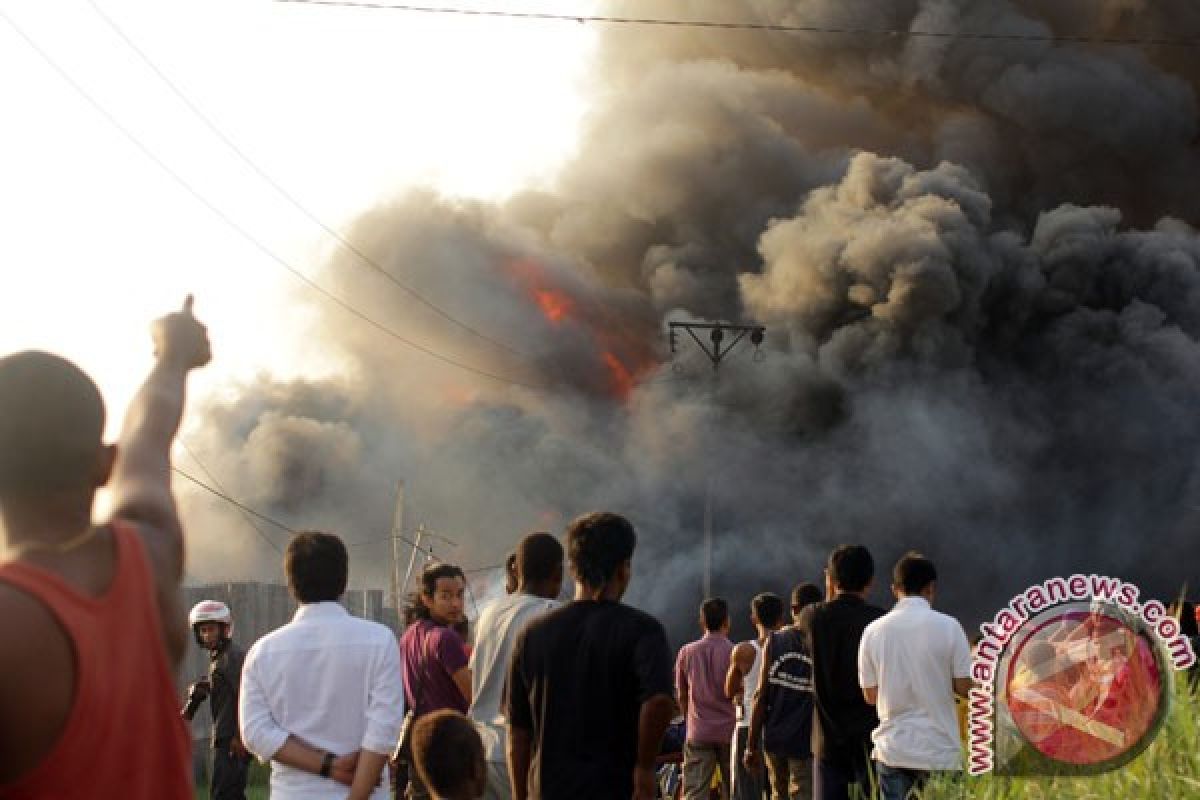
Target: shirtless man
pixel 91 614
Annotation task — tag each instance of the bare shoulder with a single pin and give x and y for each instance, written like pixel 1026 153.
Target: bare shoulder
pixel 743 651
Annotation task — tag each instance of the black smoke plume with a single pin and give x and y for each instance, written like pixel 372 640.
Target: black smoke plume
pixel 974 258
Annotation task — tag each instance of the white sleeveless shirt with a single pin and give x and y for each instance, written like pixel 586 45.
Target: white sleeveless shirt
pixel 750 683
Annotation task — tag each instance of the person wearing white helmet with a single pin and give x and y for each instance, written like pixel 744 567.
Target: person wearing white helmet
pixel 212 625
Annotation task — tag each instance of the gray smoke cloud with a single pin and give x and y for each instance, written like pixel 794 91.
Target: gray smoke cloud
pixel 973 259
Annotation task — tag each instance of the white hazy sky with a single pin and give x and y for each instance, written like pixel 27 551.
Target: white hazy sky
pixel 342 107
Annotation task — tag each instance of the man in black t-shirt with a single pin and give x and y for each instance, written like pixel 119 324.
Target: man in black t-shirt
pixel 212 625
pixel 842 734
pixel 590 687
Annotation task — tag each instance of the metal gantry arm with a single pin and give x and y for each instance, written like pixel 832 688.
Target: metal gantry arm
pixel 718 349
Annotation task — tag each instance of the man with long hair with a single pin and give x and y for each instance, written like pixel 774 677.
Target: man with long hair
pixel 437 674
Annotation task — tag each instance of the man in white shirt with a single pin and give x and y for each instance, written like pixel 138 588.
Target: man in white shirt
pixel 539 571
pixel 911 662
pixel 322 697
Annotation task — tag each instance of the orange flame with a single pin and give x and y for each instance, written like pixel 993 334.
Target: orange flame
pixel 622 380
pixel 610 337
pixel 554 304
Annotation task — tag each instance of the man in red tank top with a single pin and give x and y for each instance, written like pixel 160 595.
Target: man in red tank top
pixel 90 614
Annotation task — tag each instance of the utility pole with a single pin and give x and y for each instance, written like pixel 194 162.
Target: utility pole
pixel 397 532
pixel 412 559
pixel 716 350
pixel 422 533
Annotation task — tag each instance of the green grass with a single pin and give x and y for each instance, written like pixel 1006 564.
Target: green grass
pixel 256 783
pixel 1169 768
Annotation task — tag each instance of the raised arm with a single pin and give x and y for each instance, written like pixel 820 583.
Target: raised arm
pixel 141 482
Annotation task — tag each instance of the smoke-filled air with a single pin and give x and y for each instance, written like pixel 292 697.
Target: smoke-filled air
pixel 974 259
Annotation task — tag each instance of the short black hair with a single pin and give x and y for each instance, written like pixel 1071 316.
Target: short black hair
pixel 851 567
pixel 539 557
pixel 51 424
pixel 805 594
pixel 598 544
pixel 767 608
pixel 714 611
pixel 317 567
pixel 913 573
pixel 448 752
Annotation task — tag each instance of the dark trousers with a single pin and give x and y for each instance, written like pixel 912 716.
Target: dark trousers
pixel 844 773
pixel 747 785
pixel 227 778
pixel 897 783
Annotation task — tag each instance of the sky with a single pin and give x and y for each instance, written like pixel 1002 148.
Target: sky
pixel 343 108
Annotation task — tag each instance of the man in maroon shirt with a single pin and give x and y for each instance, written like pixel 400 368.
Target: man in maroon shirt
pixel 700 682
pixel 436 672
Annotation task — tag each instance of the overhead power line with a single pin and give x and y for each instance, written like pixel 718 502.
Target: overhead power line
pixel 1193 41
pixel 247 509
pixel 249 237
pixel 283 525
pixel 245 514
pixel 228 142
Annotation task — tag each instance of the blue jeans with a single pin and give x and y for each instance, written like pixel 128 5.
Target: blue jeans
pixel 896 783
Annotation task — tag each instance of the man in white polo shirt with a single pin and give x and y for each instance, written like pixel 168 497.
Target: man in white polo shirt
pixel 911 662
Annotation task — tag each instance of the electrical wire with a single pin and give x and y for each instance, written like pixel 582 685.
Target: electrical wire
pixel 245 234
pixel 217 492
pixel 754 26
pixel 204 201
pixel 245 515
pixel 228 142
pixel 285 527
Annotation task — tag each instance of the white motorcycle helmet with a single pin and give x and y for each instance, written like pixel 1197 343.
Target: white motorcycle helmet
pixel 211 611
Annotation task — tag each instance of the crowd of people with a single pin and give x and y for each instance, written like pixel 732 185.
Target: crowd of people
pixel 832 698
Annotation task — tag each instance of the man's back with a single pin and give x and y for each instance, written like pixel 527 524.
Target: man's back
pixel 119 731
pixel 432 653
pixel 577 679
pixel 496 636
pixel 787 689
pixel 833 630
pixel 701 669
pixel 912 654
pixel 331 680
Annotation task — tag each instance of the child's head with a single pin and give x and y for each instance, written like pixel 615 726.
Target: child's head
pixel 449 756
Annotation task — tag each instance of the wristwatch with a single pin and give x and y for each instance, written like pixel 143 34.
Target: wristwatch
pixel 327 764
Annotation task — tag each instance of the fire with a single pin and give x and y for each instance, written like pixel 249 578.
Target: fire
pixel 622 358
pixel 554 304
pixel 621 379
